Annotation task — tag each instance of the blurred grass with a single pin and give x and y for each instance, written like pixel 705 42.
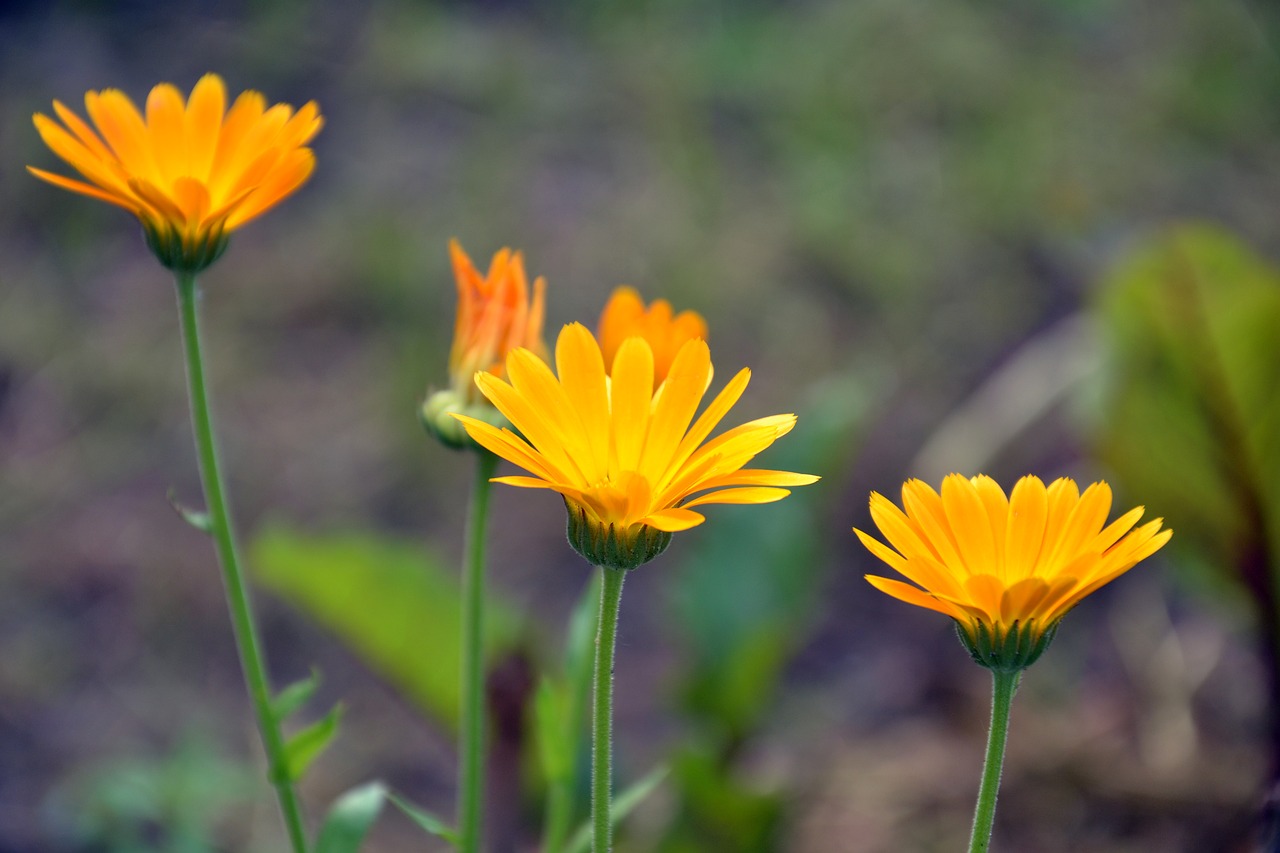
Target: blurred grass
pixel 906 191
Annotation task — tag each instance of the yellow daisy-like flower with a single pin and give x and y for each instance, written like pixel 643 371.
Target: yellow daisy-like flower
pixel 1006 569
pixel 192 171
pixel 625 316
pixel 628 460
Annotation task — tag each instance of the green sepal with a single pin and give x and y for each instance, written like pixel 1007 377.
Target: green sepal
pixel 1005 650
pixel 181 256
pixel 425 819
pixel 350 818
pixel 437 418
pixel 198 519
pixel 623 804
pixel 611 547
pixel 294 696
pixel 307 745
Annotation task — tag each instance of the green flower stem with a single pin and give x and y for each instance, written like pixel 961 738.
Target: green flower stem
pixel 472 718
pixel 602 712
pixel 1005 683
pixel 242 622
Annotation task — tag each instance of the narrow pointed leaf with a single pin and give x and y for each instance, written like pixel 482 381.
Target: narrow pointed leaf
pixel 425 819
pixel 623 805
pixel 350 818
pixel 198 519
pixel 293 697
pixel 306 746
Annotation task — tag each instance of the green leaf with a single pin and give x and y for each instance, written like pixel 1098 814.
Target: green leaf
pixel 293 697
pixel 425 819
pixel 623 805
pixel 560 718
pixel 555 753
pixel 350 818
pixel 579 657
pixel 306 746
pixel 196 518
pixel 1189 418
pixel 392 602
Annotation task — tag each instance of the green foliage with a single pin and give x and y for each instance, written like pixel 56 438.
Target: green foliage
pixel 306 746
pixel 560 717
pixel 718 812
pixel 350 819
pixel 198 519
pixel 1190 417
pixel 293 697
pixel 746 593
pixel 392 602
pixel 624 803
pixel 173 802
pixel 745 598
pixel 424 819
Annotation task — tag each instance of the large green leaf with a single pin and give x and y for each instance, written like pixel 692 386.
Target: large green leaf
pixel 1190 415
pixel 392 602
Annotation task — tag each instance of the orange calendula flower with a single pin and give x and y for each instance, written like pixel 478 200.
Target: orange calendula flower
pixel 192 171
pixel 1006 569
pixel 625 316
pixel 495 316
pixel 630 462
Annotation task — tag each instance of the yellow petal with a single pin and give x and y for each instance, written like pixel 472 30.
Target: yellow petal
pixel 673 519
pixel 581 370
pixel 681 393
pixel 1028 509
pixel 86 189
pixel 749 495
pixel 967 520
pixel 202 125
pixel 911 595
pixel 631 391
pixel 166 132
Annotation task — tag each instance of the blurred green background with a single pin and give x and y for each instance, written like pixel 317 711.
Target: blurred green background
pixel 945 234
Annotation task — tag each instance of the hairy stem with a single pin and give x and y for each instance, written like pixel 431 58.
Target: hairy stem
pixel 220 528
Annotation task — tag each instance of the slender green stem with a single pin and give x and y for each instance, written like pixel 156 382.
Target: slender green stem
pixel 472 719
pixel 602 713
pixel 242 622
pixel 579 663
pixel 1004 684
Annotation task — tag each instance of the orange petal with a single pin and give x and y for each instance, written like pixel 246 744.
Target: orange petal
pixel 911 595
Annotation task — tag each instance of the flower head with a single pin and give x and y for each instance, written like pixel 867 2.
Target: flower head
pixel 495 316
pixel 625 316
pixel 192 171
pixel 628 460
pixel 1006 569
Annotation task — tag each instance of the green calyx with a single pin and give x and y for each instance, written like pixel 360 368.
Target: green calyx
pixel 437 413
pixel 1005 649
pixel 610 546
pixel 181 255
